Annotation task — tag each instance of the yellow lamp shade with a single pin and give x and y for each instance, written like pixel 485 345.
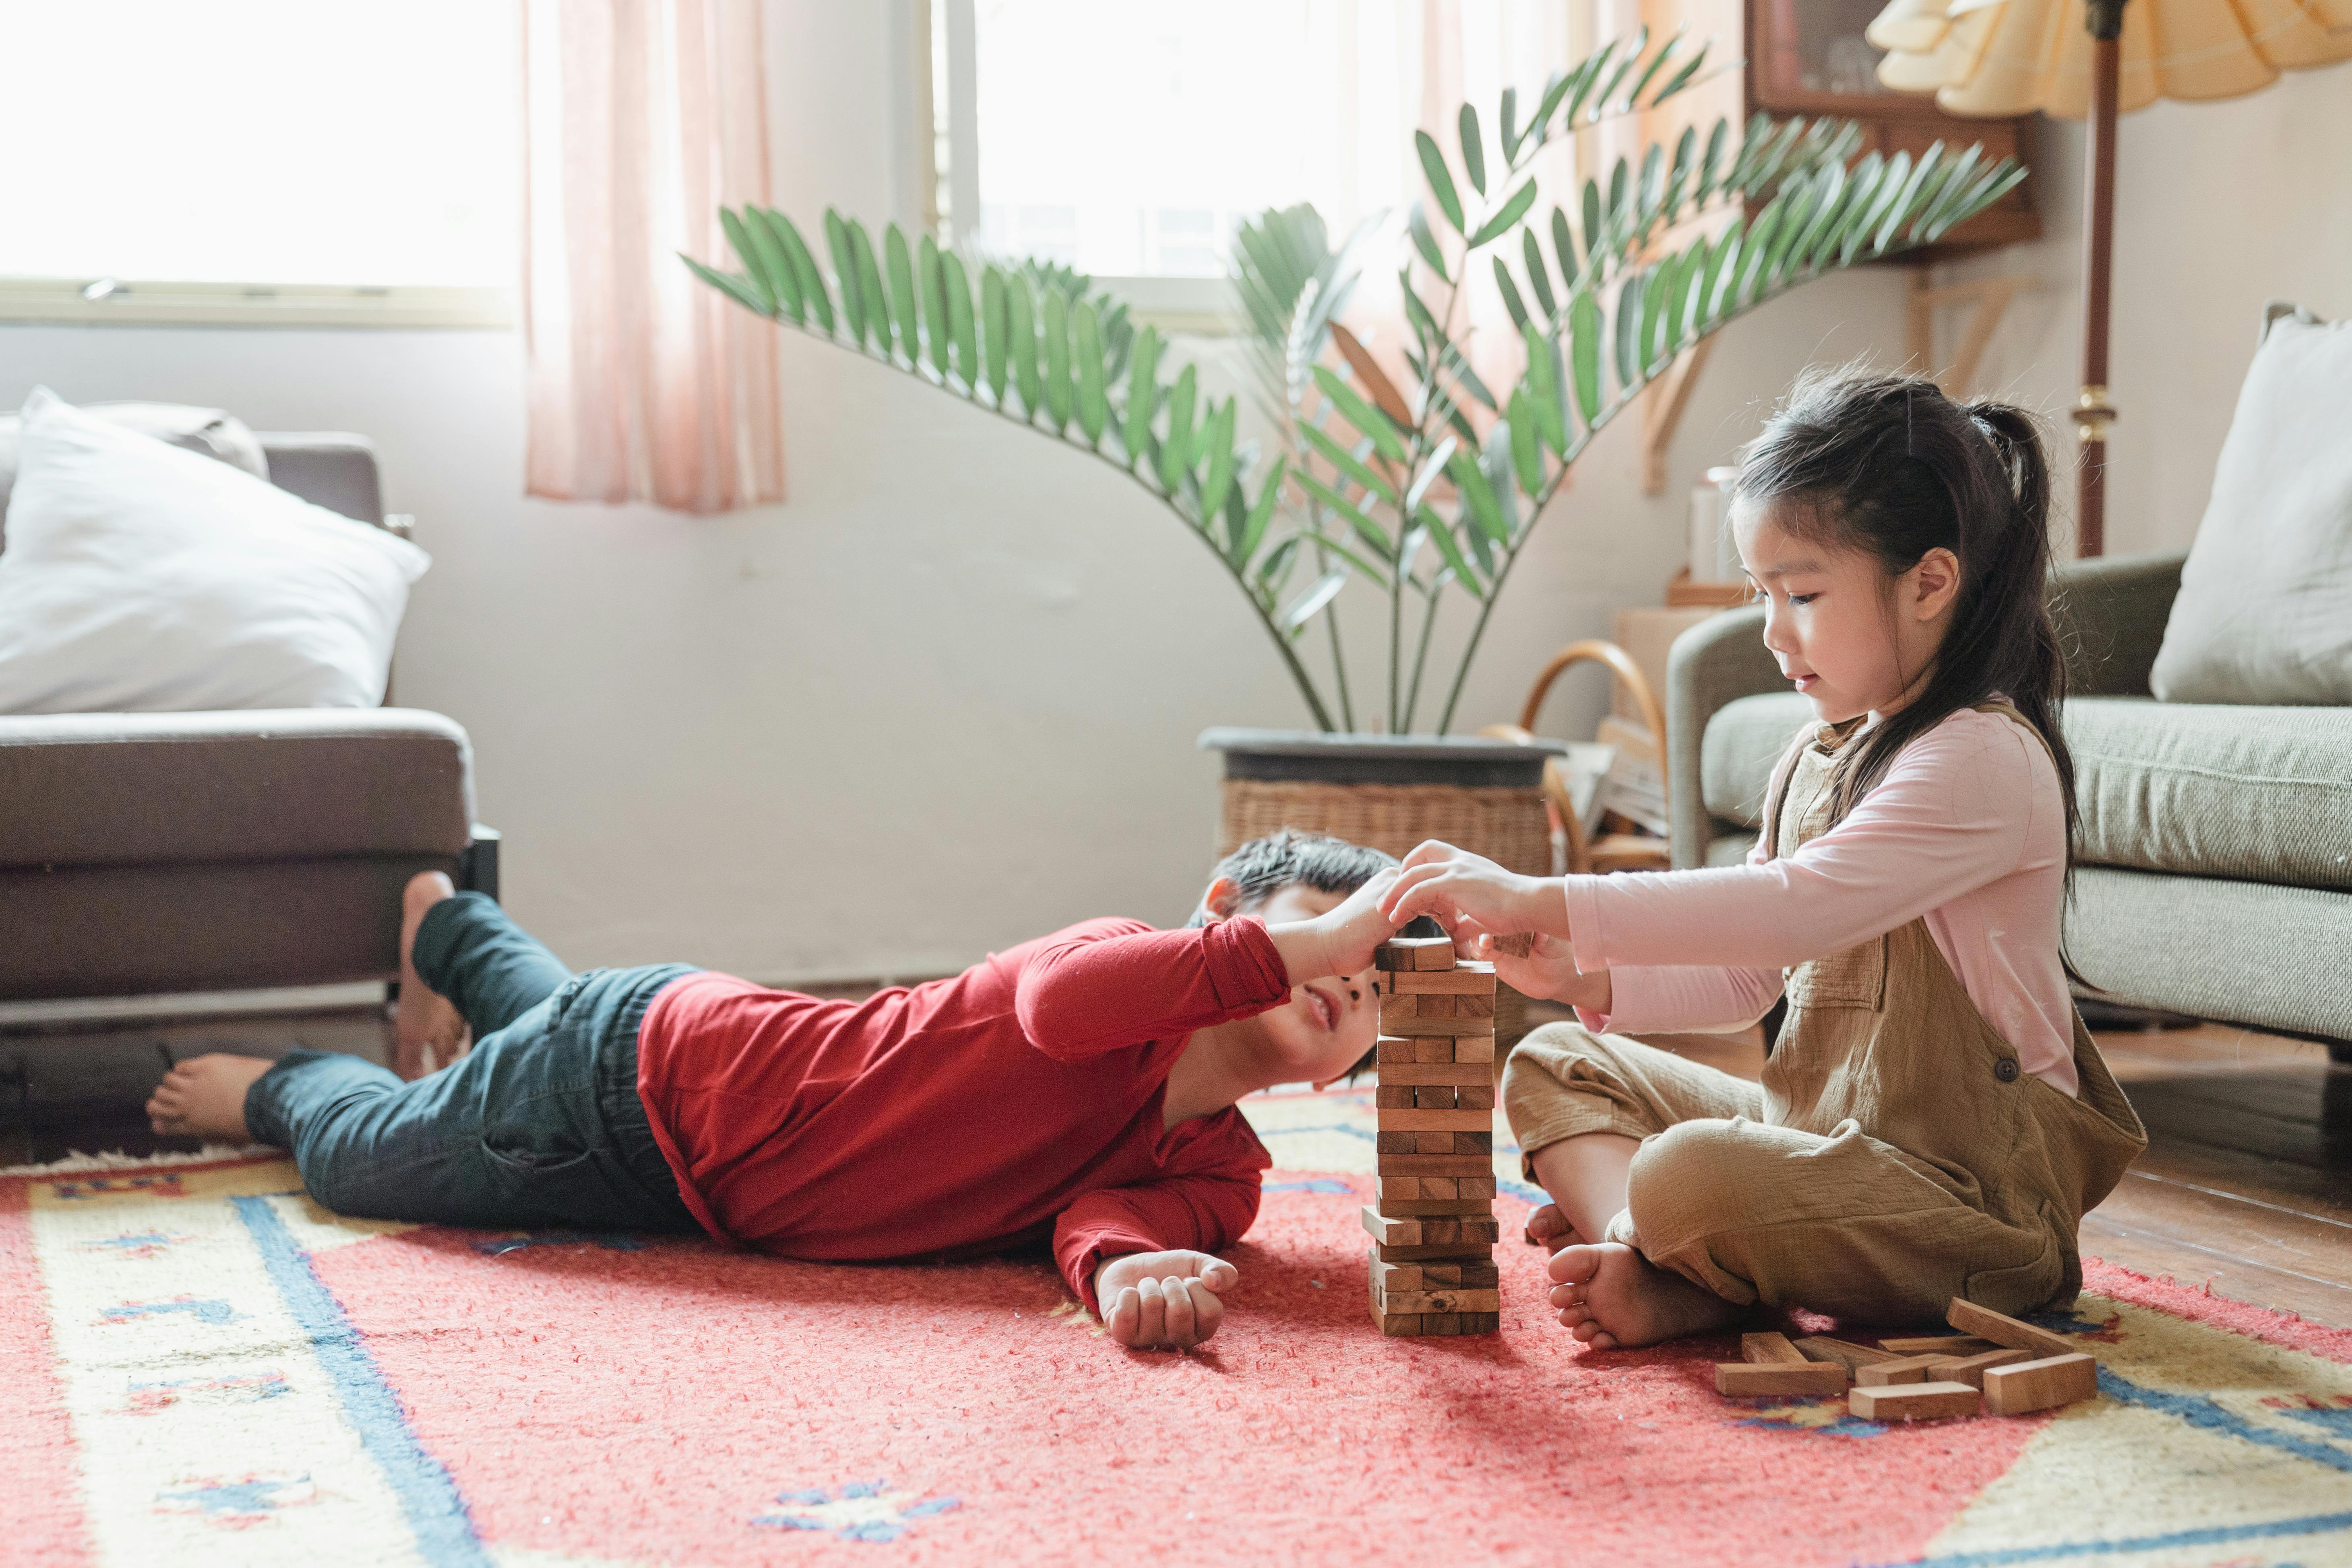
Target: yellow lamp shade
pixel 2000 57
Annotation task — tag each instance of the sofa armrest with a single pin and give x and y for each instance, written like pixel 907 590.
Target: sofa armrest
pixel 1717 661
pixel 2110 612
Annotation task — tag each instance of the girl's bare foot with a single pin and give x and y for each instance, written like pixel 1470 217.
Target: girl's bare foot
pixel 426 1020
pixel 1549 1228
pixel 1613 1298
pixel 204 1096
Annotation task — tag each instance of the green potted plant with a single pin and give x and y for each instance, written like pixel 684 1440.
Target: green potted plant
pixel 1425 494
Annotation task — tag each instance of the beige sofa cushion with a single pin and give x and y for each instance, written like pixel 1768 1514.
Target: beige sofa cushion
pixel 2257 795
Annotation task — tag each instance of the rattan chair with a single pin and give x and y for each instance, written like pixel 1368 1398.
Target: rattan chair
pixel 1611 851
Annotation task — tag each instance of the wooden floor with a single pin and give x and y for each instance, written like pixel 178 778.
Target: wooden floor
pixel 2246 1184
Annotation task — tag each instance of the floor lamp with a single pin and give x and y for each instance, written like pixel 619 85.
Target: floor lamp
pixel 2094 59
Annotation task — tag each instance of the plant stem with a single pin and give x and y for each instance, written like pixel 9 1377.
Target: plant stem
pixel 1339 664
pixel 1420 658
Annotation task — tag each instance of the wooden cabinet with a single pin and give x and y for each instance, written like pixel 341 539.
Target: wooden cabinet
pixel 1809 57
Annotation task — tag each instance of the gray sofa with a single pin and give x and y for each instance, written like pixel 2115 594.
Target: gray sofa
pixel 145 853
pixel 2215 864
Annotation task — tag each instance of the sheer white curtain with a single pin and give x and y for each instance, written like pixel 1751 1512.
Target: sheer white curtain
pixel 642 118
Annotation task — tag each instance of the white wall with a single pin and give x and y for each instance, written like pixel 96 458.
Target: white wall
pixel 943 700
pixel 2219 207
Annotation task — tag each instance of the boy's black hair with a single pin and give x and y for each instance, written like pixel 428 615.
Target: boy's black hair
pixel 1288 858
pixel 1888 465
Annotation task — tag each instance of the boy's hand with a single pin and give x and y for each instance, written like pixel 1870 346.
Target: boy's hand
pixel 1341 940
pixel 1455 886
pixel 1151 1299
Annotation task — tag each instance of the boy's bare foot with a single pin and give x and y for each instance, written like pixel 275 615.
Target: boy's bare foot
pixel 1613 1298
pixel 204 1096
pixel 1549 1228
pixel 426 1020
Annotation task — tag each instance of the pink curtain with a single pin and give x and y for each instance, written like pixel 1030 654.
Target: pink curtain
pixel 642 118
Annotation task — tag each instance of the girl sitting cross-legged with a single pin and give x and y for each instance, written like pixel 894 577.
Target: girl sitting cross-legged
pixel 1933 1120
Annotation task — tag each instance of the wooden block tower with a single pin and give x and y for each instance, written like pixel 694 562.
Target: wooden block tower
pixel 1432 1227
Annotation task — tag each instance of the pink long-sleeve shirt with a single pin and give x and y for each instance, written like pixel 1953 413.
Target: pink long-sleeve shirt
pixel 1966 829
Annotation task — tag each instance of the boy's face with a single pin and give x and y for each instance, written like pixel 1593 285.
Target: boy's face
pixel 1329 1024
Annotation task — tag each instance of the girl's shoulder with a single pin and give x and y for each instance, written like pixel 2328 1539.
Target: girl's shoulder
pixel 1987 748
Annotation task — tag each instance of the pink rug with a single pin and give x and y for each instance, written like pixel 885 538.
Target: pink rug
pixel 205 1367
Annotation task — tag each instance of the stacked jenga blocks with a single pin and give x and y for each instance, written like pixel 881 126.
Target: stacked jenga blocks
pixel 1433 1223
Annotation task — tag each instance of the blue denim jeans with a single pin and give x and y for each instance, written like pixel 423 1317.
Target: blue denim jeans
pixel 538 1125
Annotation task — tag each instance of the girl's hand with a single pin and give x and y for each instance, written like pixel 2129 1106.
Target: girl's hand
pixel 1549 969
pixel 1455 886
pixel 1155 1299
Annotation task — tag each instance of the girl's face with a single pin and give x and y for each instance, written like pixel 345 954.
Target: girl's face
pixel 1849 640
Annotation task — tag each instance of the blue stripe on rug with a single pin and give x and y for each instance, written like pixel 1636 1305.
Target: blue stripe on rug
pixel 429 1498
pixel 2214 1535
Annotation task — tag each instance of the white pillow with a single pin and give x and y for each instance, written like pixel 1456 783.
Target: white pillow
pixel 141 578
pixel 2265 607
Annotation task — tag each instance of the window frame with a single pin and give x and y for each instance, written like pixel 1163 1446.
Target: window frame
pixel 1198 307
pixel 111 301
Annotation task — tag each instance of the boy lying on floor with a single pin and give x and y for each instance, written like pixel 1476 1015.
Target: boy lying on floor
pixel 1079 1089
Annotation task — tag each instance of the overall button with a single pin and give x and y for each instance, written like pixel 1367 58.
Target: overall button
pixel 2005 1070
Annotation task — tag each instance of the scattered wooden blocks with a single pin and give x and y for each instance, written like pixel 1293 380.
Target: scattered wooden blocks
pixel 1767 1350
pixel 1972 1369
pixel 1432 1220
pixel 1913 1402
pixel 2003 1330
pixel 1853 1357
pixel 1519 944
pixel 1886 1374
pixel 1747 1380
pixel 2025 1386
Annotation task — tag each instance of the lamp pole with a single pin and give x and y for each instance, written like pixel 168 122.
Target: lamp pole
pixel 2104 19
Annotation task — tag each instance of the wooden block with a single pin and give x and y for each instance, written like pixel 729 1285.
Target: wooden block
pixel 1473 1096
pixel 1766 1350
pixel 1469 1006
pixel 1428 1049
pixel 1395 1050
pixel 1853 1357
pixel 1972 1369
pixel 1937 1344
pixel 1435 1097
pixel 1482 1322
pixel 1442 1301
pixel 1437 1072
pixel 1462 980
pixel 1434 1142
pixel 1437 1209
pixel 1392 1230
pixel 1447 1165
pixel 1401 1144
pixel 1418 1027
pixel 1446 1324
pixel 1398 1097
pixel 1395 1010
pixel 1914 1402
pixel 1480 1275
pixel 2025 1386
pixel 1886 1374
pixel 1434 1120
pixel 1743 1380
pixel 2003 1330
pixel 1387 1187
pixel 1438 1187
pixel 1440 1274
pixel 1474 1143
pixel 1475 1048
pixel 1519 944
pixel 1444 1251
pixel 1419 953
pixel 1400 1323
pixel 1391 1279
pixel 1475 1186
pixel 1442 1005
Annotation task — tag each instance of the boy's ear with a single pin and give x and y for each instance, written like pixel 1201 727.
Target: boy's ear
pixel 1219 900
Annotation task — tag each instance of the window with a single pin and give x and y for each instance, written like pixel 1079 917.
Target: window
pixel 280 160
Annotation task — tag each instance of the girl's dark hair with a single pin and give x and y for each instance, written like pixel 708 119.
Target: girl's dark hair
pixel 1888 465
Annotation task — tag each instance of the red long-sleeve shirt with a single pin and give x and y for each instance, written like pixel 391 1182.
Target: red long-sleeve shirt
pixel 1017 1102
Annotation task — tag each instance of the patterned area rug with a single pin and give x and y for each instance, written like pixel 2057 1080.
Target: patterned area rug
pixel 203 1367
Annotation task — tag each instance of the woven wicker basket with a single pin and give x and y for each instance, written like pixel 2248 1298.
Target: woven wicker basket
pixel 1392 792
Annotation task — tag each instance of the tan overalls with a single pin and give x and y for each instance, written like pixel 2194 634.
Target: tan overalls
pixel 1894 1156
